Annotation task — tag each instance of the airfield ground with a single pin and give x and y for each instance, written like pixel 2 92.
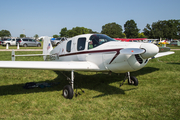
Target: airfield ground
pixel 156 97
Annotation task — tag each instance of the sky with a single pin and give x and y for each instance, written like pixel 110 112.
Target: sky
pixel 48 17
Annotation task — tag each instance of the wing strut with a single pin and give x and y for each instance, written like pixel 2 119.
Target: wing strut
pixel 72 79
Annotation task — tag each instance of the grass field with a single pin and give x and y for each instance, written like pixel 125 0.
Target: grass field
pixel 156 97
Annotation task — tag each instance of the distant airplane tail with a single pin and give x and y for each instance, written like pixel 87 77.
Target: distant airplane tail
pixel 47 47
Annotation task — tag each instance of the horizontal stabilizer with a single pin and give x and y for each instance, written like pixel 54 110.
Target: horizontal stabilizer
pixel 164 49
pixel 26 55
pixel 29 55
pixel 131 51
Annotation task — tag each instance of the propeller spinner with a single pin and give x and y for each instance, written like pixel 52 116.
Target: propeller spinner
pixel 150 50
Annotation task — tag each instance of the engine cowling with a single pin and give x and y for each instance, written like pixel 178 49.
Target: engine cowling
pixel 150 50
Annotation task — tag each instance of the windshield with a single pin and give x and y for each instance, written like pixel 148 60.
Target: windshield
pixel 58 39
pixel 98 39
pixel 8 40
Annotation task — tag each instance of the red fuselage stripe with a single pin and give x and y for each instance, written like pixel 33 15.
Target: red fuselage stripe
pixel 95 51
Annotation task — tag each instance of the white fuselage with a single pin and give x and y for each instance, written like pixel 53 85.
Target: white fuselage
pixel 106 56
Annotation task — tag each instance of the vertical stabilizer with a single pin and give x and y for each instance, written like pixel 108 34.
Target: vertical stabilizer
pixel 47 47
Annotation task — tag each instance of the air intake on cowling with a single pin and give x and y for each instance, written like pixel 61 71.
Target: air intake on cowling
pixel 138 58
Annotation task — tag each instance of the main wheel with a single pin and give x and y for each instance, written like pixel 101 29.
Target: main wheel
pixel 39 45
pixel 68 92
pixel 57 44
pixel 8 44
pixel 133 81
pixel 25 45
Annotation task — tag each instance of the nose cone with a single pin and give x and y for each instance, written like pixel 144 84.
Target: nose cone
pixel 151 50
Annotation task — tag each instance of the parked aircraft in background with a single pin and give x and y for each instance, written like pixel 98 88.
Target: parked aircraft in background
pixel 91 52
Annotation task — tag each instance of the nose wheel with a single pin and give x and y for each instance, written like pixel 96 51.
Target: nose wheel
pixel 131 80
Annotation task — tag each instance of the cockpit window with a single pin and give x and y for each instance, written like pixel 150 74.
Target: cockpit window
pixel 98 39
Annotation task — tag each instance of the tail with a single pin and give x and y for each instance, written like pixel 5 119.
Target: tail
pixel 47 47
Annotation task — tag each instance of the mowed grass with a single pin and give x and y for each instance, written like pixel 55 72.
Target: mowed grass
pixel 156 97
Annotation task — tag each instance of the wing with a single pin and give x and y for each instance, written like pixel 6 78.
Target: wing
pixel 49 65
pixel 162 54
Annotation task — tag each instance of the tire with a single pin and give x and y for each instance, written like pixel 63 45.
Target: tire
pixel 68 92
pixel 8 44
pixel 38 45
pixel 57 44
pixel 25 45
pixel 133 81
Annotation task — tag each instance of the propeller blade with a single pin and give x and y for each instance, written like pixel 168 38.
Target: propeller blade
pixel 131 51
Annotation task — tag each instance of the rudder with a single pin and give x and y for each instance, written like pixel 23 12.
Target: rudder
pixel 47 47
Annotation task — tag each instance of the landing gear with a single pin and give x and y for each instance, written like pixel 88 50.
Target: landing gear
pixel 68 91
pixel 131 80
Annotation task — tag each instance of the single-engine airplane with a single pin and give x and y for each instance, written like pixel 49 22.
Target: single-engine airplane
pixel 91 52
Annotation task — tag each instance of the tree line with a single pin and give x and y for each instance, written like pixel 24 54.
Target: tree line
pixel 169 29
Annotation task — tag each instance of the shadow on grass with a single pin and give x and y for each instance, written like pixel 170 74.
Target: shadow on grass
pixel 96 81
pixel 144 71
pixel 174 63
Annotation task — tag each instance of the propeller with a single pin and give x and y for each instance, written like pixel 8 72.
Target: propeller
pixel 132 51
pixel 146 50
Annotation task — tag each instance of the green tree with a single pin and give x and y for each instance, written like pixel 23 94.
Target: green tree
pixel 163 29
pixel 36 36
pixel 22 35
pixel 75 31
pixel 124 35
pixel 131 29
pixel 5 33
pixel 91 31
pixel 113 30
pixel 70 33
pixel 55 36
pixel 148 31
pixel 63 32
pixel 141 35
pixel 79 31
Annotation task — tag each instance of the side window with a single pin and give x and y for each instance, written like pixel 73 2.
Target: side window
pixel 18 40
pixel 81 44
pixel 13 39
pixel 25 39
pixel 30 40
pixel 68 46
